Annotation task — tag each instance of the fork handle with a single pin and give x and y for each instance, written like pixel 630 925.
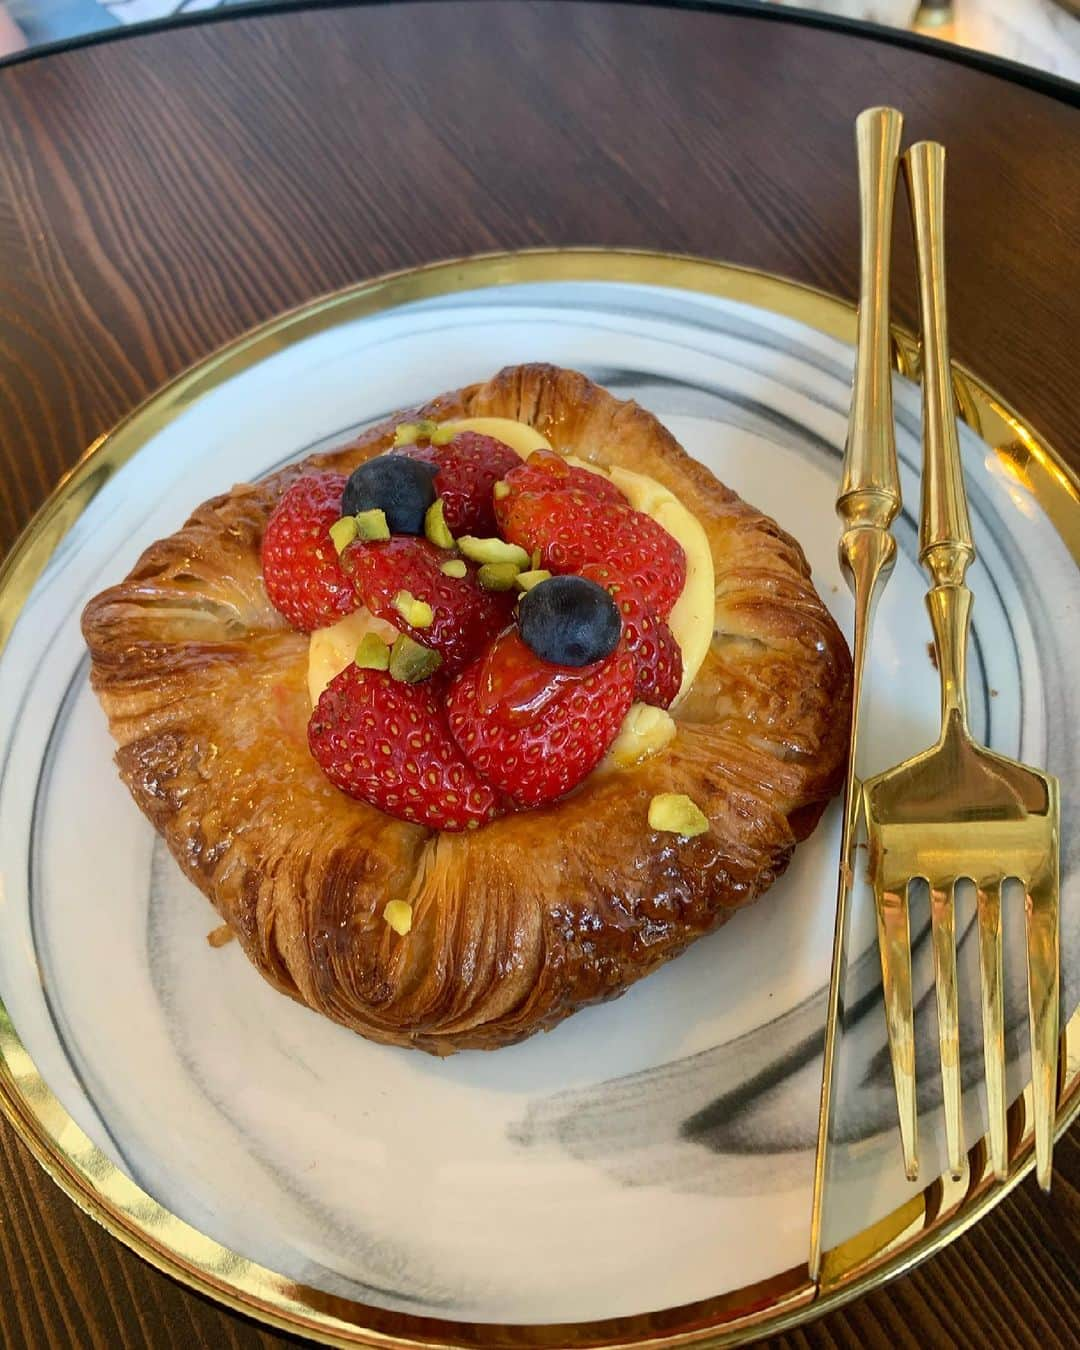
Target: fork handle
pixel 945 543
pixel 946 548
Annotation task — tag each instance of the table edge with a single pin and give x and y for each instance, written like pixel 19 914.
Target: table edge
pixel 1041 82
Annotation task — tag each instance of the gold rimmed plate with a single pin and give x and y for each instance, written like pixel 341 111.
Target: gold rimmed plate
pixel 643 1173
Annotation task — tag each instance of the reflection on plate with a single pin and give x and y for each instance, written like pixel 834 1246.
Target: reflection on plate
pixel 645 1154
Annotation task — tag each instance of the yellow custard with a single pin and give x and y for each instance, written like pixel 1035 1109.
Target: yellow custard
pixel 645 729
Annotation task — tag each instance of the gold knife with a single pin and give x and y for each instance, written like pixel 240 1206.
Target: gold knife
pixel 867 503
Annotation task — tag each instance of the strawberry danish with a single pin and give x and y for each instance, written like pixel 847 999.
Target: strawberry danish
pixel 481 718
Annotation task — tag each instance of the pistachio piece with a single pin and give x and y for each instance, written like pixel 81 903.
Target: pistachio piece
pixel 372 653
pixel 435 526
pixel 410 662
pixel 416 613
pixel 501 490
pixel 527 580
pixel 371 525
pixel 493 551
pixel 408 433
pixel 343 532
pixel 675 813
pixel 398 914
pixel 498 576
pixel 455 567
pixel 534 561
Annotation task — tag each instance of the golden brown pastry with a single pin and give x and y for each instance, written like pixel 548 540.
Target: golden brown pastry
pixel 521 922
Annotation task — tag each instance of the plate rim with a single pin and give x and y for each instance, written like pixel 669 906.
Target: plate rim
pixel 923 1225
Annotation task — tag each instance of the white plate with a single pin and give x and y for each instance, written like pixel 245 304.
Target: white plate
pixel 647 1153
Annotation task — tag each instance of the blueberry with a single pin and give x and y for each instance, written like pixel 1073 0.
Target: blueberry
pixel 400 487
pixel 569 621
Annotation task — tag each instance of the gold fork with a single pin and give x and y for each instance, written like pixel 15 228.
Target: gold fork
pixel 958 810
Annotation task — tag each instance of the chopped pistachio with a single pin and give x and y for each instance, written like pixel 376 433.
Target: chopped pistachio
pixel 408 433
pixel 454 568
pixel 497 576
pixel 534 561
pixel 343 532
pixel 675 813
pixel 416 613
pixel 398 914
pixel 493 551
pixel 435 526
pixel 501 490
pixel 372 524
pixel 372 653
pixel 443 435
pixel 527 580
pixel 410 662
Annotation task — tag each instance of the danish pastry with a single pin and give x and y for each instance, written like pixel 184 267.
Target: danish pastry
pixel 575 735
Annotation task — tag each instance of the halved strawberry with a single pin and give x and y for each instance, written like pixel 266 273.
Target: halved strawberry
pixel 657 656
pixel 534 730
pixel 469 467
pixel 572 530
pixel 301 569
pixel 547 471
pixel 387 743
pixel 465 617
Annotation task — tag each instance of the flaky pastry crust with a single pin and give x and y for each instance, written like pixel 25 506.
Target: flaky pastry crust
pixel 520 923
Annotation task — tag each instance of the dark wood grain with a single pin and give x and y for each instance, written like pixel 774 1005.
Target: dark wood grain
pixel 160 194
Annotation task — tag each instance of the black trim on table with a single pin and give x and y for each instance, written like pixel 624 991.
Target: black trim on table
pixel 1054 86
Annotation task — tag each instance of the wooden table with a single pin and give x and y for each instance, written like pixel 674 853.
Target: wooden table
pixel 161 193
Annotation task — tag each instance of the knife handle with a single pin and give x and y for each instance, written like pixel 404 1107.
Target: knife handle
pixel 870 484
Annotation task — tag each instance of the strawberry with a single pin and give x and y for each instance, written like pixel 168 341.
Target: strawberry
pixel 465 617
pixel 547 471
pixel 301 569
pixel 387 743
pixel 572 530
pixel 657 656
pixel 534 730
pixel 469 467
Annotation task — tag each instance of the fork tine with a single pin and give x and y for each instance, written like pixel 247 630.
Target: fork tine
pixel 993 1020
pixel 943 920
pixel 1043 965
pixel 891 903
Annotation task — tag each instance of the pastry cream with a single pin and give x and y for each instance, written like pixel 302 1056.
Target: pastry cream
pixel 690 621
pixel 645 729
